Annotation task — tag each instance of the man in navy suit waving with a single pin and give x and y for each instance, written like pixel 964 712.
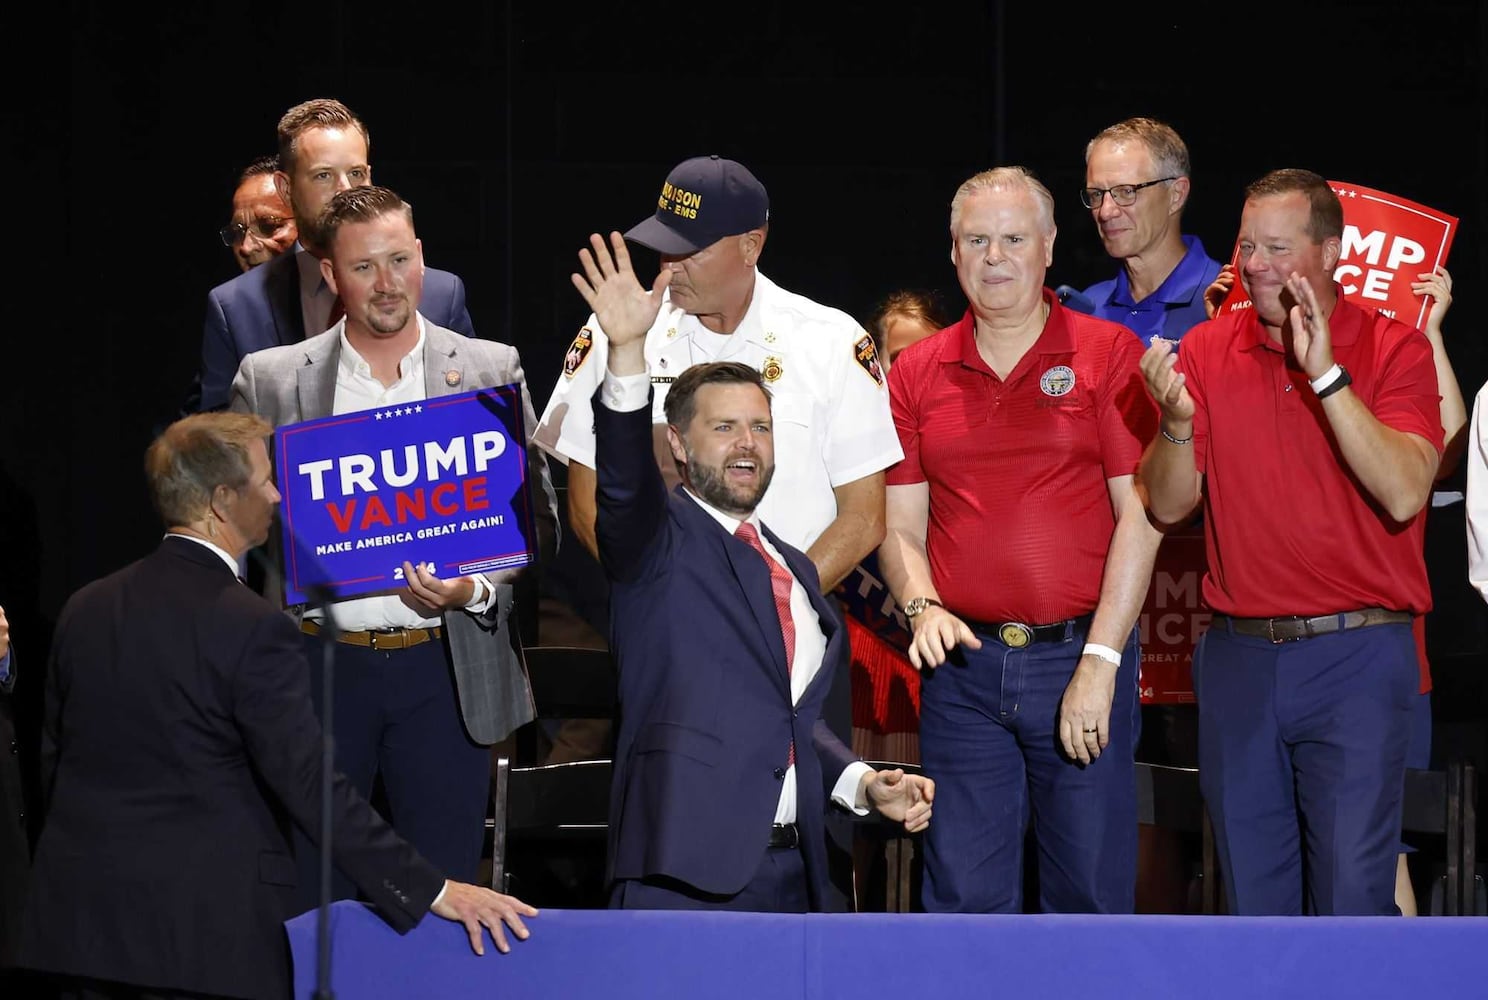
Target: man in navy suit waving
pixel 724 643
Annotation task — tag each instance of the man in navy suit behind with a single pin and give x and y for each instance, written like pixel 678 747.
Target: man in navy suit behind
pixel 724 644
pixel 323 148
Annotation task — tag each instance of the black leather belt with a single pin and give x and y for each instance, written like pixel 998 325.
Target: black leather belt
pixel 1016 635
pixel 1290 629
pixel 784 835
pixel 381 638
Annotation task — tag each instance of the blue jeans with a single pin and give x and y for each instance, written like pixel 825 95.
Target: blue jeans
pixel 989 737
pixel 1302 764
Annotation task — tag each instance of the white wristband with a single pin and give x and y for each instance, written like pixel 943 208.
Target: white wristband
pixel 1327 378
pixel 1106 653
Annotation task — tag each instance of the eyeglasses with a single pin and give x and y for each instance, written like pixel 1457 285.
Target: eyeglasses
pixel 265 228
pixel 1121 194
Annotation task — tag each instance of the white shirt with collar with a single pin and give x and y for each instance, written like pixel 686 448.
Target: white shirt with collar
pixel 626 394
pixel 223 554
pixel 357 389
pixel 829 400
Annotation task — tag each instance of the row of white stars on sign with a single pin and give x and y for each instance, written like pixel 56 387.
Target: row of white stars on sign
pixel 401 411
pixel 1345 193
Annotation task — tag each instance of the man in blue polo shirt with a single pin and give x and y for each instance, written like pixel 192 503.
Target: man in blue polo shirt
pixel 1136 185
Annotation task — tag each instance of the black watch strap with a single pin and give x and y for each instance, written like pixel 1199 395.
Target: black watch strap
pixel 1343 379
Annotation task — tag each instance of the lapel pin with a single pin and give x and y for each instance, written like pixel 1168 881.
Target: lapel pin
pixel 452 377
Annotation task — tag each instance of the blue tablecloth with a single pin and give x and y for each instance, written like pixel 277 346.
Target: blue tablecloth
pixel 610 955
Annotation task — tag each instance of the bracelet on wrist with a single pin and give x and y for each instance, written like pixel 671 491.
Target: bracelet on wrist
pixel 1106 653
pixel 1331 381
pixel 1175 440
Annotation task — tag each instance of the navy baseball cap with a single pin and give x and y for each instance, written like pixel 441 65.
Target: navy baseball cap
pixel 703 200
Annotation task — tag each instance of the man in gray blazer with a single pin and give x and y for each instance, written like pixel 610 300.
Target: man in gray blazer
pixel 426 677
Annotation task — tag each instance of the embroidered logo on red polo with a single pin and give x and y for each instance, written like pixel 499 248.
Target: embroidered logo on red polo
pixel 1057 381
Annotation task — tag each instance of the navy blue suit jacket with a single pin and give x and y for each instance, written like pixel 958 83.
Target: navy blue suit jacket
pixel 706 719
pixel 261 308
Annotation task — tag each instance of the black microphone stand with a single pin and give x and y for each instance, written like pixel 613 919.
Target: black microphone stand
pixel 321 597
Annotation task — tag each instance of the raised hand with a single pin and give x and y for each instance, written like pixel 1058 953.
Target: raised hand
pixel 1218 289
pixel 625 310
pixel 1166 385
pixel 1312 341
pixel 1437 284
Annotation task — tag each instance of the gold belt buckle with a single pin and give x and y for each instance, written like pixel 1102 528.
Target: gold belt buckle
pixel 1015 635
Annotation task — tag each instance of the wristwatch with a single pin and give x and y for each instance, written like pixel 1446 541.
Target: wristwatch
pixel 915 606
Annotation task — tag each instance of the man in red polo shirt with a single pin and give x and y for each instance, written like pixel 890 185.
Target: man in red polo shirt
pixel 1310 431
pixel 1020 553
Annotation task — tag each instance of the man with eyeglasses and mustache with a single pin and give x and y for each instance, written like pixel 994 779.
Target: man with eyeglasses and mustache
pixel 323 149
pixel 262 226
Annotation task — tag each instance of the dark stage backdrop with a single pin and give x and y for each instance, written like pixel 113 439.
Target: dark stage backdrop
pixel 518 129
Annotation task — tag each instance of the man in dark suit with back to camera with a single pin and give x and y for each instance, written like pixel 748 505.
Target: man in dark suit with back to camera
pixel 180 743
pixel 323 149
pixel 724 643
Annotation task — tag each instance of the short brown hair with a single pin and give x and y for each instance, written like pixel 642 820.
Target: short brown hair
pixel 909 303
pixel 358 204
pixel 1325 216
pixel 194 456
pixel 681 401
pixel 322 112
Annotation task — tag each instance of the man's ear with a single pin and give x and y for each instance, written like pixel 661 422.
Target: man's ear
pixel 751 245
pixel 1332 251
pixel 679 449
pixel 1178 195
pixel 329 274
pixel 281 184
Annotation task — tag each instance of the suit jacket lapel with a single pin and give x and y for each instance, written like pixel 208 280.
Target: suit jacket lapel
pixel 284 298
pixel 444 370
pixel 317 381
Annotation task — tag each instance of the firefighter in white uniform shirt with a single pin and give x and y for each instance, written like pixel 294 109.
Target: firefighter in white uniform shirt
pixel 834 436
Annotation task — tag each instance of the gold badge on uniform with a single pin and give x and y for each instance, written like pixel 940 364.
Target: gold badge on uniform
pixel 772 369
pixel 1015 635
pixel 578 351
pixel 769 338
pixel 865 353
